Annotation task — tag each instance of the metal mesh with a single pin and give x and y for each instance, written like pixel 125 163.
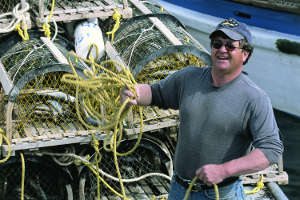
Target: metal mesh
pixel 26 56
pixel 139 42
pixel 44 107
pixel 147 158
pixel 7 6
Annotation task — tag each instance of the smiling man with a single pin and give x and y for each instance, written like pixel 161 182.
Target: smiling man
pixel 222 114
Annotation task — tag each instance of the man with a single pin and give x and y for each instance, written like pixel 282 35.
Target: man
pixel 222 113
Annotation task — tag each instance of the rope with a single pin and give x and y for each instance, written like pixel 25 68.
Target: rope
pixel 46 26
pixel 24 34
pixel 18 14
pixel 259 186
pixel 191 185
pixel 85 161
pixel 2 136
pixel 102 87
pixel 116 16
pixel 23 176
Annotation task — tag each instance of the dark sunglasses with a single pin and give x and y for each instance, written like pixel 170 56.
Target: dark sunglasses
pixel 217 44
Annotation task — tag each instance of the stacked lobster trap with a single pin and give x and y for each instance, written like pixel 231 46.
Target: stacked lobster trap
pixel 42 121
pixel 47 152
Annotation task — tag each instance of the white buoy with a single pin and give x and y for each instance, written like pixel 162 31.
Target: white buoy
pixel 86 33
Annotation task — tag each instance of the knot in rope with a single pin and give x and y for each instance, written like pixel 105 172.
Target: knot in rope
pixel 259 185
pixel 18 12
pixel 46 28
pixel 24 34
pixel 116 16
pixel 95 143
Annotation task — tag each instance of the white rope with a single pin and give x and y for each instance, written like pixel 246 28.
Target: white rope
pixel 17 14
pixel 135 42
pixel 104 173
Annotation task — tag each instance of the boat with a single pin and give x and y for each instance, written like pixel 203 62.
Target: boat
pixel 52 133
pixel 275 27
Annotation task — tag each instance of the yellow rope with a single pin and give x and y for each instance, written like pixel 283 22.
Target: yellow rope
pixel 259 186
pixel 116 16
pixel 23 176
pixel 191 185
pixel 2 136
pixel 102 87
pixel 23 33
pixel 46 26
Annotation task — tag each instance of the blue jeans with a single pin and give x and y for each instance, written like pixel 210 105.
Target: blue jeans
pixel 234 191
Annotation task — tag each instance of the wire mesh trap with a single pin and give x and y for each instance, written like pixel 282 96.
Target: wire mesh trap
pixel 43 180
pixel 145 173
pixel 139 42
pixel 38 103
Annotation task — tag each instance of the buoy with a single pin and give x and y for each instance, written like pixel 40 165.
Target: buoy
pixel 86 33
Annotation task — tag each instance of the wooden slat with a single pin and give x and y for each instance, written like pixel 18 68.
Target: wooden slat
pixel 63 139
pixel 54 50
pixel 113 54
pixel 161 26
pixel 153 127
pixel 6 83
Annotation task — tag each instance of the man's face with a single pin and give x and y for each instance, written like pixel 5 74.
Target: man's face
pixel 227 55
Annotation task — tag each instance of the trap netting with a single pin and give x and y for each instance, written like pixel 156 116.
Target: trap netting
pixel 145 173
pixel 7 6
pixel 145 48
pixel 39 105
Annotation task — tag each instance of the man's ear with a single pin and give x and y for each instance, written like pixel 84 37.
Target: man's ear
pixel 245 55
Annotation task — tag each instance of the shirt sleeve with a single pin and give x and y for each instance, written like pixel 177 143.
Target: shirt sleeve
pixel 264 129
pixel 166 92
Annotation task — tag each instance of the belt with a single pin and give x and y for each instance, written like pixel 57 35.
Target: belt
pixel 201 186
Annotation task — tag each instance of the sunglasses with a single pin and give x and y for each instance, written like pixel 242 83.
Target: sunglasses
pixel 217 44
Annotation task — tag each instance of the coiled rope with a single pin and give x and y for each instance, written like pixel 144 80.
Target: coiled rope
pixel 102 87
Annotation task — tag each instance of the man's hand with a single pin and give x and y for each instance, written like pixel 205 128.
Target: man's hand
pixel 143 95
pixel 211 174
pixel 125 94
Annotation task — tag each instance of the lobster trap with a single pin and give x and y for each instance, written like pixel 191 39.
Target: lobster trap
pixel 39 180
pixel 41 111
pixel 67 11
pixel 145 173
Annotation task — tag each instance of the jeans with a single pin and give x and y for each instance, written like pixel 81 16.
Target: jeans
pixel 234 191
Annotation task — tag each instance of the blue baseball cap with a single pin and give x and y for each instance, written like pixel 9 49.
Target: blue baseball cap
pixel 234 29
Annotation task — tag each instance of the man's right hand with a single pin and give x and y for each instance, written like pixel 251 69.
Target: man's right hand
pixel 125 94
pixel 143 95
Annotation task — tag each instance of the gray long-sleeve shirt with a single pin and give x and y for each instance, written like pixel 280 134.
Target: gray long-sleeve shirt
pixel 217 124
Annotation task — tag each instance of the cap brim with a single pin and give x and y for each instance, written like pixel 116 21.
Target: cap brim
pixel 230 33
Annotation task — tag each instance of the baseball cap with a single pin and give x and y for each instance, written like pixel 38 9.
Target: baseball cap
pixel 234 29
